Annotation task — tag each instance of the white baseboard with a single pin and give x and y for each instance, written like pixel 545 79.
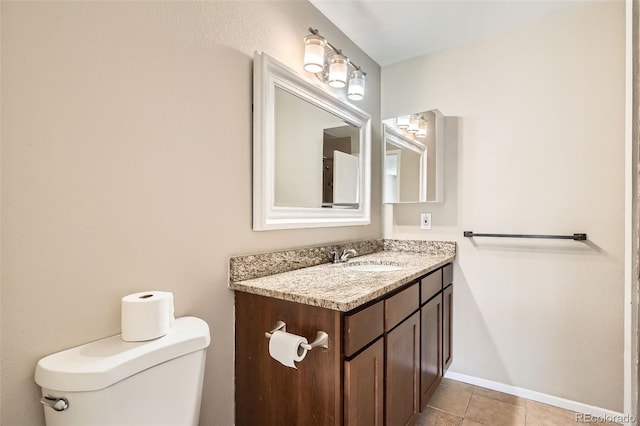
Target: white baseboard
pixel 543 397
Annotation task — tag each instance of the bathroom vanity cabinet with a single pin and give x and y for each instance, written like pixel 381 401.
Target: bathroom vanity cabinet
pixel 394 324
pixel 436 298
pixel 384 361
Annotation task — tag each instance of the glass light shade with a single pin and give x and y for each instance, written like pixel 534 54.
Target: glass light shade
pixel 337 70
pixel 314 53
pixel 403 121
pixel 414 124
pixel 356 86
pixel 422 130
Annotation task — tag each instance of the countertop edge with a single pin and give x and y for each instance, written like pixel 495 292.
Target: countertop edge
pixel 346 306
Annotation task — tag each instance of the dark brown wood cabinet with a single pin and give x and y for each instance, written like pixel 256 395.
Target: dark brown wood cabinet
pixel 447 329
pixel 363 327
pixel 385 359
pixel 403 373
pixel 364 387
pixel 436 297
pixel 267 392
pixel 400 305
pixel 431 349
pixel 447 317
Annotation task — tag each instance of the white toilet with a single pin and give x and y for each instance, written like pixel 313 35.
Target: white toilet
pixel 111 382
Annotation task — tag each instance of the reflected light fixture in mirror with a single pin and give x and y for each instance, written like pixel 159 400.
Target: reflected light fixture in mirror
pixel 403 121
pixel 414 160
pixel 422 129
pixel 332 68
pixel 414 124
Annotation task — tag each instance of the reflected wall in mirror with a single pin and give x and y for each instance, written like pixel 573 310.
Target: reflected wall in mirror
pixel 316 162
pixel 311 153
pixel 414 158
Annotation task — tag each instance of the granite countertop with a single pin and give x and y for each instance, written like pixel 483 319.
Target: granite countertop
pixel 334 286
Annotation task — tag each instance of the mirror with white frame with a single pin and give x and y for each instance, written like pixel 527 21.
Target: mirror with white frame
pixel 311 153
pixel 414 158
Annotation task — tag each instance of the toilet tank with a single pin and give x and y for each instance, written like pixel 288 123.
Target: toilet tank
pixel 111 382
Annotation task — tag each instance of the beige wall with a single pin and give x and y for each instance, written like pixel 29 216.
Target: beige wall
pixel 126 166
pixel 541 151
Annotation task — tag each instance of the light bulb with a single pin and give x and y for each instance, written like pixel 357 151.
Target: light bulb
pixel 337 70
pixel 403 121
pixel 414 124
pixel 356 86
pixel 314 53
pixel 422 130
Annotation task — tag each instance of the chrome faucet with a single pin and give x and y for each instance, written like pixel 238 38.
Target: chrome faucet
pixel 344 256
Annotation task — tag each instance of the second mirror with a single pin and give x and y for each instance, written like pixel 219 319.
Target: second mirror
pixel 414 158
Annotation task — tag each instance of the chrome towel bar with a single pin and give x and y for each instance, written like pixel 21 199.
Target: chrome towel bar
pixel 575 237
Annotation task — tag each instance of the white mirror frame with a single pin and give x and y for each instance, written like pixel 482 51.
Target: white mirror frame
pixel 395 137
pixel 269 74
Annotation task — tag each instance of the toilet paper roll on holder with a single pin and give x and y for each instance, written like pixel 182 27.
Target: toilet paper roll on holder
pixel 321 340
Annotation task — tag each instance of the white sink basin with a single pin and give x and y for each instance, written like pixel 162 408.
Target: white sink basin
pixel 373 267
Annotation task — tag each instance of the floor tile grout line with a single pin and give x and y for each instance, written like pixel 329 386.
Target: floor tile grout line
pixel 473 391
pixel 444 411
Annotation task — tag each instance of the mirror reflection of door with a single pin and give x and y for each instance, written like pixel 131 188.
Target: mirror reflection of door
pixel 345 180
pixel 340 167
pixel 392 175
pixel 410 176
pixel 403 174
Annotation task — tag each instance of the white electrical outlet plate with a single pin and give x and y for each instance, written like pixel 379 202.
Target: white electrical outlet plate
pixel 425 220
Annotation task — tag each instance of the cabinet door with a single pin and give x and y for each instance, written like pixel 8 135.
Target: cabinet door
pixel 364 387
pixel 402 357
pixel 430 349
pixel 447 316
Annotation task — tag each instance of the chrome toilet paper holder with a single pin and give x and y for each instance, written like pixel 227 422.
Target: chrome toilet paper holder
pixel 321 340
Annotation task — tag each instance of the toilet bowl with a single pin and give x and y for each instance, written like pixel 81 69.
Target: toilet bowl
pixel 111 382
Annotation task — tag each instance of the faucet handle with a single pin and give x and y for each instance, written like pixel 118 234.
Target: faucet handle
pixel 346 253
pixel 336 256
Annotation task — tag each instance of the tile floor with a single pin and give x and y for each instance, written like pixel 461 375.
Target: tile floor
pixel 461 404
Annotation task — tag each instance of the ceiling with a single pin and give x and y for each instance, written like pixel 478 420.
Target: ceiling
pixel 392 31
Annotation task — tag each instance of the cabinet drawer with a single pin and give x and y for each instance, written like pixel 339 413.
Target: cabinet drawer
pixel 400 306
pixel 362 328
pixel 430 285
pixel 447 275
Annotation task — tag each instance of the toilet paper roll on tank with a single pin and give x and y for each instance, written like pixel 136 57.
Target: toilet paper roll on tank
pixel 146 315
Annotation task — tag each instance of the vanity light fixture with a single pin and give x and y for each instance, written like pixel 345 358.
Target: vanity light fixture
pixel 403 121
pixel 314 53
pixel 422 130
pixel 412 125
pixel 356 85
pixel 333 67
pixel 338 70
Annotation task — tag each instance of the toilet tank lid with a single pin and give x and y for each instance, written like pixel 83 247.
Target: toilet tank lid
pixel 102 363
